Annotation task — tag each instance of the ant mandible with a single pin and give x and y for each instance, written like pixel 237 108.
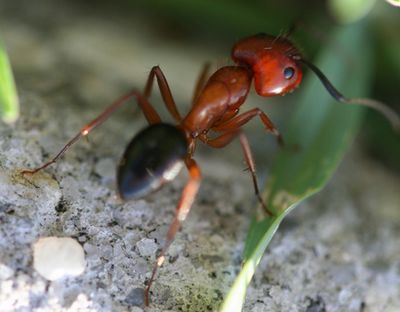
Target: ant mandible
pixel 157 153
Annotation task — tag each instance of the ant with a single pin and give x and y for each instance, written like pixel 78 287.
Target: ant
pixel 157 153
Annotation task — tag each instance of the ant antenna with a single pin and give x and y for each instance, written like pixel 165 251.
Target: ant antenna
pixel 381 107
pixel 292 29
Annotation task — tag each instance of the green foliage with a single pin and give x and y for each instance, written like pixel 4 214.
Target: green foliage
pixel 9 107
pixel 321 130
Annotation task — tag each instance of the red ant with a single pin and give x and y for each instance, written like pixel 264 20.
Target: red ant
pixel 157 153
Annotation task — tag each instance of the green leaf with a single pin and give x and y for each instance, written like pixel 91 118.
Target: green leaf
pixel 321 129
pixel 9 107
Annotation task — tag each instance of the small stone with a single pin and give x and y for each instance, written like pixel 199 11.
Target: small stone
pixel 58 257
pixel 135 297
pixel 82 238
pixel 147 247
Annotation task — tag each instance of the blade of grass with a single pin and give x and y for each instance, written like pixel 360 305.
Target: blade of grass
pixel 322 129
pixel 9 106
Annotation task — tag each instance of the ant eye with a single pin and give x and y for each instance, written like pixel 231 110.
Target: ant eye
pixel 288 73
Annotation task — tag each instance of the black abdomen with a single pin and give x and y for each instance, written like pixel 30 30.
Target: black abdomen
pixel 154 156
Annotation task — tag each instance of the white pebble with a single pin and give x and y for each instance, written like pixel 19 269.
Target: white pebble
pixel 58 257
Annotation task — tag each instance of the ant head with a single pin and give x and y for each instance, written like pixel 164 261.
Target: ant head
pixel 274 62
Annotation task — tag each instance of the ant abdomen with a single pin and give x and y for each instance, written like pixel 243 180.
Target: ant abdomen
pixel 153 157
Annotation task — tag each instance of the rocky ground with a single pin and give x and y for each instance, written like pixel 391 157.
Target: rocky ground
pixel 338 251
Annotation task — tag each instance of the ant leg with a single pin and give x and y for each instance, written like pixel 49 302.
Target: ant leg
pixel 182 210
pixel 223 140
pixel 245 117
pixel 201 81
pixel 147 109
pixel 164 90
pixel 252 167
